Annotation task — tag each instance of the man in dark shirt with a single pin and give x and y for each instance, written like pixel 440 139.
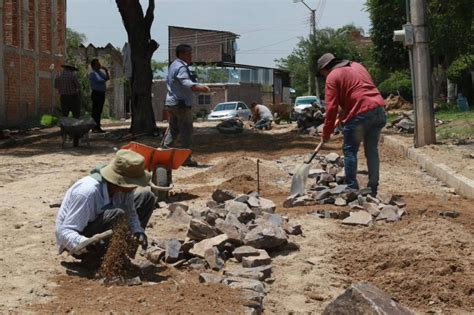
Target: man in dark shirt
pixel 69 89
pixel 98 79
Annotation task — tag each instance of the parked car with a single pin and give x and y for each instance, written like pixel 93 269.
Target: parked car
pixel 303 102
pixel 229 110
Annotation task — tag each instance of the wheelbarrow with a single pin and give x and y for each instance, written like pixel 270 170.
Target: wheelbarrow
pixel 161 162
pixel 75 129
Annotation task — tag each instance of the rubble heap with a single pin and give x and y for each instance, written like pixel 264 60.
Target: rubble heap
pixel 405 123
pixel 329 189
pixel 238 227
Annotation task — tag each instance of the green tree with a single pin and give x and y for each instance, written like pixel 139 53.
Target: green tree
pixel 157 67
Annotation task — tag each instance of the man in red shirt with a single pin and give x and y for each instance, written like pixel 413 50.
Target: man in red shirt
pixel 351 92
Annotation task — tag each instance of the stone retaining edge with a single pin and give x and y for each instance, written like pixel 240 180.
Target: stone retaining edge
pixel 462 185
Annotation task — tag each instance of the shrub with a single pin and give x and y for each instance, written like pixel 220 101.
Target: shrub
pixel 399 82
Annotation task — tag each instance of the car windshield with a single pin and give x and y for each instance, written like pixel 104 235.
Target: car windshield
pixel 224 106
pixel 306 101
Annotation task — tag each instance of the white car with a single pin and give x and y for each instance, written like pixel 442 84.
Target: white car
pixel 303 102
pixel 229 110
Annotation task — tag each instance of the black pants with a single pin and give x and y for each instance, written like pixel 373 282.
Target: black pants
pixel 144 204
pixel 98 100
pixel 70 103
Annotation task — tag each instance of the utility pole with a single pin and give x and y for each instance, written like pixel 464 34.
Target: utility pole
pixel 312 38
pixel 424 113
pixel 416 39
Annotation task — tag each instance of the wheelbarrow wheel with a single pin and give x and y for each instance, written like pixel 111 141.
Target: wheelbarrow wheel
pixel 161 177
pixel 75 141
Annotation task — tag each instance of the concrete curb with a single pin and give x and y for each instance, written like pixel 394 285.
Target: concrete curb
pixel 462 185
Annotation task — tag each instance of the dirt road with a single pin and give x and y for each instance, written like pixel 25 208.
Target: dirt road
pixel 425 261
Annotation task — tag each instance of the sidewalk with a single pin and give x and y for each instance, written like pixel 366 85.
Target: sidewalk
pixel 452 164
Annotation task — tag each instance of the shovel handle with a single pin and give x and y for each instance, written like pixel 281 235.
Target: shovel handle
pixel 316 151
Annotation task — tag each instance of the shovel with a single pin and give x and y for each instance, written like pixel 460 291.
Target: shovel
pixel 300 177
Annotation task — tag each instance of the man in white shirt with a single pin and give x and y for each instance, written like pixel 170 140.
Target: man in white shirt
pixel 262 116
pixel 96 202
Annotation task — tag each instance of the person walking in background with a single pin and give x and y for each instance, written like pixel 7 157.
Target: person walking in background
pixel 69 89
pixel 350 87
pixel 98 78
pixel 181 85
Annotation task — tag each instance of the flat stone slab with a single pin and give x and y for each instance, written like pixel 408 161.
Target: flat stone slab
pixel 332 157
pixel 389 213
pixel 358 218
pixel 199 230
pixel 206 277
pixel 255 261
pixel 221 196
pixel 173 248
pixel 245 284
pixel 363 298
pixel 340 202
pixel 200 248
pixel 372 208
pixel 245 251
pixel 211 255
pixel 266 236
pixel 240 210
pixel 339 189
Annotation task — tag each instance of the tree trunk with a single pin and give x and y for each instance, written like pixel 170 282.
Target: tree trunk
pixel 142 48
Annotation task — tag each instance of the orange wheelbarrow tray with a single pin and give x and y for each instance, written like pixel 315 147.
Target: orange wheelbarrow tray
pixel 169 159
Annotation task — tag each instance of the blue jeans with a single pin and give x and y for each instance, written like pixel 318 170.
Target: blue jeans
pixel 364 127
pixel 262 123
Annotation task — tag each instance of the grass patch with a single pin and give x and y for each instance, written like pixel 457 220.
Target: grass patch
pixel 460 125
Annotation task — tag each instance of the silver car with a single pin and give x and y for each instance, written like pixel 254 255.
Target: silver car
pixel 229 110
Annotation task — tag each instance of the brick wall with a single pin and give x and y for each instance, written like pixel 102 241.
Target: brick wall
pixel 208 46
pixel 28 84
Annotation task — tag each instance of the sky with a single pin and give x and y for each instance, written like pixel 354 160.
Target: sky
pixel 268 29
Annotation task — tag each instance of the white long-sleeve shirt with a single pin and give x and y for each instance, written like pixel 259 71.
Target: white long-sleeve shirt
pixel 82 204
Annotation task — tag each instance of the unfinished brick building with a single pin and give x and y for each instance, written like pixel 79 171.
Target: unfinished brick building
pixel 32 49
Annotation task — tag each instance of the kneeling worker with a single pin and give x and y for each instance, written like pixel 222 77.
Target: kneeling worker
pixel 261 116
pixel 96 202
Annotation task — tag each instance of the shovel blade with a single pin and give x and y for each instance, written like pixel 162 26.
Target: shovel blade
pixel 299 180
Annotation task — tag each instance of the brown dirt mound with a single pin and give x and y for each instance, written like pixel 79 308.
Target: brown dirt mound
pixel 116 262
pixel 424 261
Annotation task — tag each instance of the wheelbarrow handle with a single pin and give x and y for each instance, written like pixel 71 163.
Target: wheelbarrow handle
pixel 316 151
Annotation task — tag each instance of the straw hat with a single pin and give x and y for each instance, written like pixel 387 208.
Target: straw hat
pixel 126 170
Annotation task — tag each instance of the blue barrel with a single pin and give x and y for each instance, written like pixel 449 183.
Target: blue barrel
pixel 463 105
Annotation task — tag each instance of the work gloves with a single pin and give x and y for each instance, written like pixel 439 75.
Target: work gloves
pixel 141 239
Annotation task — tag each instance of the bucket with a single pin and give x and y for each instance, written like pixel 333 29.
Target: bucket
pixel 463 105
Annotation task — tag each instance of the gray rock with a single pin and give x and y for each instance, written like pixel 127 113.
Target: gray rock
pixel 333 170
pixel 245 284
pixel 389 213
pixel 398 202
pixel 350 195
pixel 341 176
pixel 355 205
pixel 172 251
pixel 253 202
pixel 273 218
pixel 210 278
pixel 327 201
pixel 175 206
pixel 221 196
pixel 372 208
pixel 245 251
pixel 247 273
pixel 196 263
pixel 266 205
pixel 266 236
pixel 200 248
pixel 339 189
pixel 211 255
pixel 332 157
pixel 365 191
pixel 235 235
pixel 363 298
pixel 385 198
pixel 255 261
pixel 199 230
pixel 179 215
pixel 232 220
pixel 155 254
pixel 292 229
pixel 340 202
pixel 242 198
pixel 240 210
pixel 358 218
pixel 450 214
pixel 299 201
pixel 319 188
pixel 187 246
pixel 371 199
pixel 325 179
pixel 323 194
pixel 315 173
pixel 212 204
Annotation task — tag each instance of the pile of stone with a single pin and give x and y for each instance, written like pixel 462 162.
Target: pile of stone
pixel 238 228
pixel 329 189
pixel 405 123
pixel 231 126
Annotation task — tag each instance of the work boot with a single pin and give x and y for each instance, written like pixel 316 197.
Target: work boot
pixel 98 130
